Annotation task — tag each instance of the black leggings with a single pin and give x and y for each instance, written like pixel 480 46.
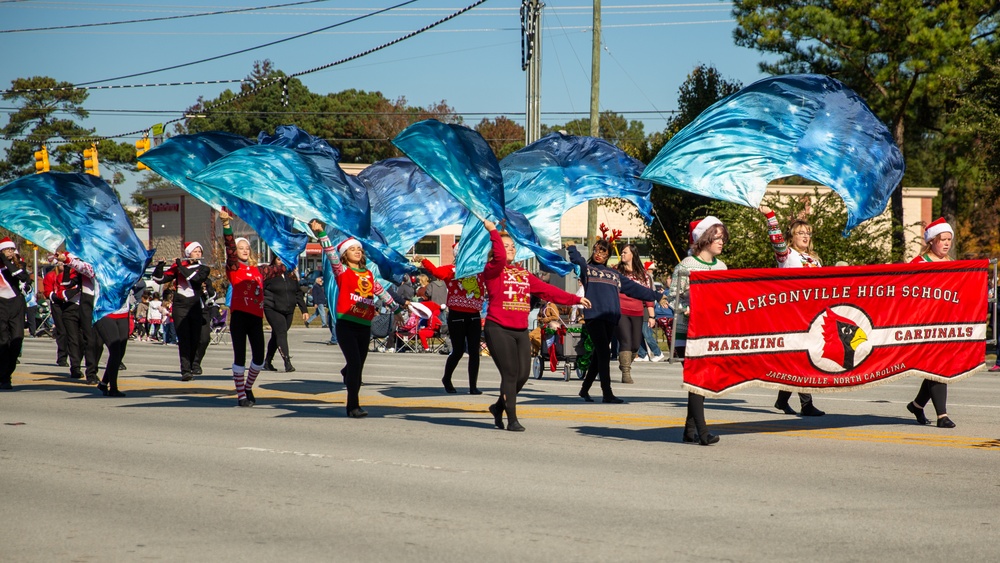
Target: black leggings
pixel 188 319
pixel 511 352
pixel 936 392
pixel 279 332
pixel 465 330
pixel 629 333
pixel 600 364
pixel 245 326
pixel 11 335
pixel 114 333
pixel 353 339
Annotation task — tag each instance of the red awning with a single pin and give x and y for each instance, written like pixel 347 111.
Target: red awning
pixel 314 249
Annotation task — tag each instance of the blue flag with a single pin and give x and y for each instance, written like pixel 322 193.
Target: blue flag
pixel 182 157
pixel 304 183
pixel 463 163
pixel 406 203
pixel 83 212
pixel 800 124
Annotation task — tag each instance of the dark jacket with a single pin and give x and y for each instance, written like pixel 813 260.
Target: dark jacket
pixel 602 285
pixel 281 294
pixel 319 294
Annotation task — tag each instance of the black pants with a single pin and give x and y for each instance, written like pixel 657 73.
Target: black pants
pixel 11 335
pixel 81 340
pixel 465 331
pixel 511 352
pixel 62 347
pixel 694 424
pixel 804 398
pixel 92 345
pixel 600 364
pixel 204 338
pixel 114 334
pixel 280 322
pixel 247 327
pixel 936 392
pixel 188 322
pixel 31 319
pixel 353 339
pixel 629 333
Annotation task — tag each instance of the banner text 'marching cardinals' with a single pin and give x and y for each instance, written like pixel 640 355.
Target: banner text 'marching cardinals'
pixel 834 328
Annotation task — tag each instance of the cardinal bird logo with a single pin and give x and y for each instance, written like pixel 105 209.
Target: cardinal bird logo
pixel 841 338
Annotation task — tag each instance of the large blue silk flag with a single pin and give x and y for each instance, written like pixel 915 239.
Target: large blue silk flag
pixel 303 183
pixel 406 203
pixel 801 124
pixel 83 212
pixel 182 157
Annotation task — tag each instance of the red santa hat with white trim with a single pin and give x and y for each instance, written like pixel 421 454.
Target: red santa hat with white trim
pixel 937 227
pixel 190 248
pixel 7 243
pixel 342 247
pixel 699 227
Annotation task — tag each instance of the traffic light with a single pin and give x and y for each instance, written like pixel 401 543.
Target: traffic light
pixel 42 160
pixel 90 161
pixel 141 146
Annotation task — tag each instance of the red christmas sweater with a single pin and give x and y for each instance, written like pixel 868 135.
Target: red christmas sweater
pixel 465 295
pixel 356 289
pixel 510 288
pixel 247 281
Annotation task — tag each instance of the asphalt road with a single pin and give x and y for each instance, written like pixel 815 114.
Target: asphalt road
pixel 177 472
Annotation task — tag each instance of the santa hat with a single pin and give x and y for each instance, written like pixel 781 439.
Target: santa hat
pixel 7 243
pixel 244 239
pixel 342 247
pixel 190 248
pixel 936 228
pixel 648 264
pixel 699 227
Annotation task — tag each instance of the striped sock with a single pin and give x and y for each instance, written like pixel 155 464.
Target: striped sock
pixel 252 374
pixel 238 380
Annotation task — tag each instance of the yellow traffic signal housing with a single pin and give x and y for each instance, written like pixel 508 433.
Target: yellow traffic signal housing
pixel 90 165
pixel 141 146
pixel 42 160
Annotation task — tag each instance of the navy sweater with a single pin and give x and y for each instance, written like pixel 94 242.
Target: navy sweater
pixel 602 284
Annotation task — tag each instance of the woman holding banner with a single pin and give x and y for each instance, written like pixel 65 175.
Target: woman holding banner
pixel 797 252
pixel 938 237
pixel 708 237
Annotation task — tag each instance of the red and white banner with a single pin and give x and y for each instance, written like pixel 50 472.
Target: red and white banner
pixel 825 329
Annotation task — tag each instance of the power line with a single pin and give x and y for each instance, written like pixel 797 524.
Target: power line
pixel 295 112
pixel 247 50
pixel 164 18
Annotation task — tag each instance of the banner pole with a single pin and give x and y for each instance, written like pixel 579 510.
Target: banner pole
pixel 666 236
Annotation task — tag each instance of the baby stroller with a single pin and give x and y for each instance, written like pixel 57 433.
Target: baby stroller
pixel 560 342
pixel 45 325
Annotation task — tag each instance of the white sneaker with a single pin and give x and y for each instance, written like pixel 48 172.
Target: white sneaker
pixel 658 358
pixel 390 350
pixel 640 359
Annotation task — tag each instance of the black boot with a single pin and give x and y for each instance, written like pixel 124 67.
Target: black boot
pixel 696 413
pixel 288 366
pixel 268 366
pixel 448 387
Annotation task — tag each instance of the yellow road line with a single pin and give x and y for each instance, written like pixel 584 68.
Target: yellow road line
pixel 540 412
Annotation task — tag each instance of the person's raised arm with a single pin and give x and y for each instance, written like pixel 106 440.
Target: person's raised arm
pixel 778 242
pixel 319 230
pixel 499 260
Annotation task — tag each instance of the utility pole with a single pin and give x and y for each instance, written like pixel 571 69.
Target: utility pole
pixel 531 62
pixel 595 96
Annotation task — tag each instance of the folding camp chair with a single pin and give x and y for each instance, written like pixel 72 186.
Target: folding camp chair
pixel 381 328
pixel 220 328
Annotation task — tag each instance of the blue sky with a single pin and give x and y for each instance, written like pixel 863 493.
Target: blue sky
pixel 473 62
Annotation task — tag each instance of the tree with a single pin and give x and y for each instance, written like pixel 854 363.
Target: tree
pixel 613 127
pixel 892 53
pixel 675 209
pixel 360 124
pixel 40 99
pixel 503 135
